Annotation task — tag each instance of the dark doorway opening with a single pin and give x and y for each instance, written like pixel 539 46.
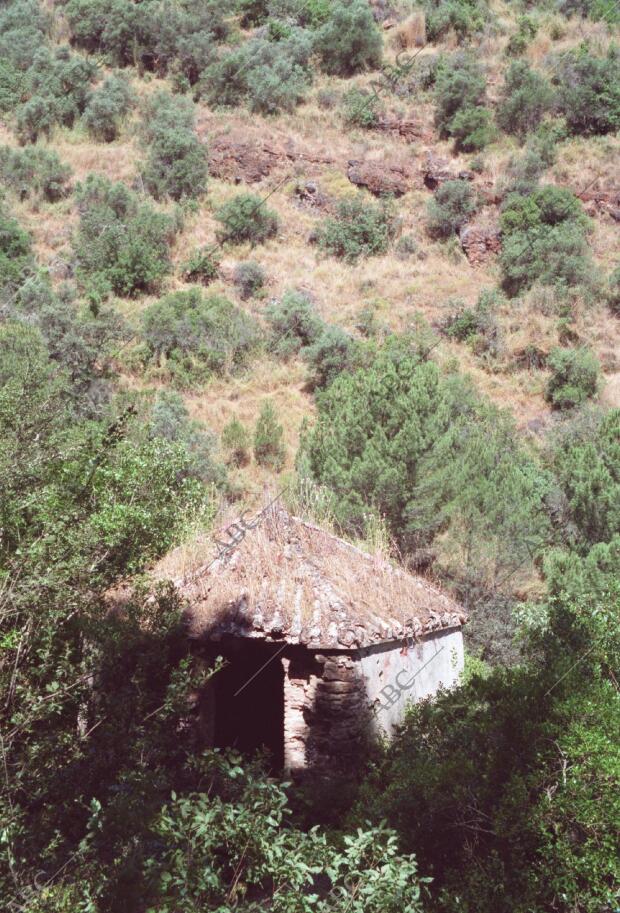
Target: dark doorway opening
pixel 249 701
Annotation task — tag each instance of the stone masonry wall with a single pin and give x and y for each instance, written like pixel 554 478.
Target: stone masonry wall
pixel 326 714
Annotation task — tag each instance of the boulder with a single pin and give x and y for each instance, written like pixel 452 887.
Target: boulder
pixel 379 177
pixel 480 242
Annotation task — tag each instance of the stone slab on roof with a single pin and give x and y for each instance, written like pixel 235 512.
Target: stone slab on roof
pixel 291 581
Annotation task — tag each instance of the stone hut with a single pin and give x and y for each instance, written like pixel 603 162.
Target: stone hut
pixel 323 644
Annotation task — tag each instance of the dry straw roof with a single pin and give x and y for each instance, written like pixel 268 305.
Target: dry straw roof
pixel 291 581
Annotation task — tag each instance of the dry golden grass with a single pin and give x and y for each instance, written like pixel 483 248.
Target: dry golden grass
pixel 411 33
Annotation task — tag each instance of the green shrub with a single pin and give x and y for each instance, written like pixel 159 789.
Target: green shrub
pixel 526 98
pixel 451 206
pixel 589 91
pixel 360 229
pixel 16 262
pixel 361 109
pixel 195 336
pixel 472 129
pixel 460 91
pixel 477 326
pixel 464 17
pixel 270 76
pixel 543 238
pixel 249 277
pixel 613 291
pixel 23 30
pixel 11 86
pixel 107 107
pixel 349 41
pixel 237 441
pixel 519 40
pixel 170 421
pixel 120 241
pixel 36 117
pixel 397 437
pixel 176 165
pixel 294 324
pixel 246 218
pixel 584 455
pixel 203 266
pixel 64 79
pixel 574 377
pixel 159 36
pixel 331 353
pixel 269 446
pixel 34 172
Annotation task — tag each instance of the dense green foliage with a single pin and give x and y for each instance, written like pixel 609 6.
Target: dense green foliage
pixel 359 229
pixel 574 377
pixel 269 75
pixel 401 439
pixel 195 336
pixel 589 91
pixel 107 107
pixel 122 243
pixel 176 166
pixel 527 97
pixel 34 172
pixel 460 94
pixel 464 17
pixel 349 40
pixel 246 218
pixel 544 238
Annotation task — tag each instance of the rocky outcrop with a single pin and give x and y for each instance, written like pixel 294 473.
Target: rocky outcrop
pixel 380 178
pixel 235 157
pixel 480 242
pixel 436 171
pixel 407 128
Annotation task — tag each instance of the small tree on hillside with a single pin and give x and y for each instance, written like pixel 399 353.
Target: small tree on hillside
pixel 269 448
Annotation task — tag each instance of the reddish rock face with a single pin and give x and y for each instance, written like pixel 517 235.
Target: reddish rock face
pixel 380 177
pixel 235 157
pixel 480 242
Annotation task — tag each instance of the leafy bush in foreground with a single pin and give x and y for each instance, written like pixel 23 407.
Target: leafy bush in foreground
pixel 294 324
pixel 359 229
pixel 464 17
pixel 202 266
pixel 270 76
pixel 176 165
pixel 237 441
pixel 460 93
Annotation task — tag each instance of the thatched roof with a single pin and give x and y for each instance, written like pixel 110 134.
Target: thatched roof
pixel 290 581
